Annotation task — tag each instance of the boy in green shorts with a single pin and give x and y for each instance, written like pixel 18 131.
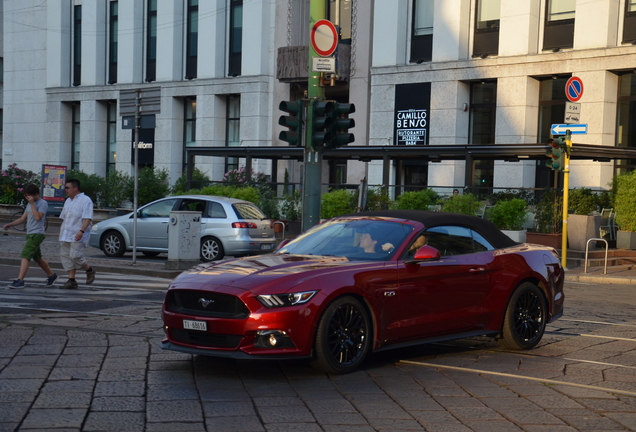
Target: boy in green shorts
pixel 34 214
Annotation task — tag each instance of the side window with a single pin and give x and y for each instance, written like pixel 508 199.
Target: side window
pixel 480 243
pixel 216 210
pixel 159 209
pixel 192 205
pixel 451 240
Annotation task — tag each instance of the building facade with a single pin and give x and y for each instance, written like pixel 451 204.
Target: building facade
pixel 420 72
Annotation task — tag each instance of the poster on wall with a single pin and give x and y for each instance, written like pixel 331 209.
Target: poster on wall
pixel 412 109
pixel 53 180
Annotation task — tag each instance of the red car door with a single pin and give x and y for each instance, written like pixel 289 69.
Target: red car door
pixel 444 296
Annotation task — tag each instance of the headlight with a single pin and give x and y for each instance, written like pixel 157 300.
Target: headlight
pixel 94 228
pixel 287 299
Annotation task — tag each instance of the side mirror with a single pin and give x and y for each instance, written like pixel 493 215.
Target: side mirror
pixel 426 253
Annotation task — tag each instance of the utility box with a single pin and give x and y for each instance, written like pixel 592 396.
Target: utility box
pixel 184 239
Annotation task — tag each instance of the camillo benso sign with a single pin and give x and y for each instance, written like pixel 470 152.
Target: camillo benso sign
pixel 411 126
pixel 411 115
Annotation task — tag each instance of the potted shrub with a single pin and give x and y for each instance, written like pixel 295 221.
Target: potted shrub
pixel 625 207
pixel 467 204
pixel 548 220
pixel 584 220
pixel 291 210
pixel 509 216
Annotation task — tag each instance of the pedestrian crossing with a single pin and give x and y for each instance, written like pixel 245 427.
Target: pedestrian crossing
pixel 103 281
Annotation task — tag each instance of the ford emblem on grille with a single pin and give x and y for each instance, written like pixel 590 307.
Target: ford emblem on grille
pixel 205 302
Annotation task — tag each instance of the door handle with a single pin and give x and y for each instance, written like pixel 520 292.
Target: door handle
pixel 477 270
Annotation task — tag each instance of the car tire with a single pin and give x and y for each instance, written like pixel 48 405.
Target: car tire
pixel 150 253
pixel 343 337
pixel 526 317
pixel 211 249
pixel 113 244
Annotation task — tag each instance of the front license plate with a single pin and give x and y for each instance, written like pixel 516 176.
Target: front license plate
pixel 195 325
pixel 266 246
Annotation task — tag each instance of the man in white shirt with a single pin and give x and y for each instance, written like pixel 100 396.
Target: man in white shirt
pixel 77 215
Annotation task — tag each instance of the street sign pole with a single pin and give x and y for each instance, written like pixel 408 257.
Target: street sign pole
pixel 136 176
pixel 566 193
pixel 313 156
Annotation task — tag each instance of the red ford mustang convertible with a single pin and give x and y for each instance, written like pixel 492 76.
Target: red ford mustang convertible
pixel 367 282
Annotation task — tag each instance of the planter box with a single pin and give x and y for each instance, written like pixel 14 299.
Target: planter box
pixel 626 240
pixel 518 236
pixel 552 240
pixel 581 228
pixel 9 209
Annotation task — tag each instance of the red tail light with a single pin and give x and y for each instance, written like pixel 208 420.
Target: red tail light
pixel 243 225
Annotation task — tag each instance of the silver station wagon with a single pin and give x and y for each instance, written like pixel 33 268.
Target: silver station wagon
pixel 228 227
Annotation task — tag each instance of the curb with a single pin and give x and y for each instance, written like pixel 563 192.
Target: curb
pixel 616 280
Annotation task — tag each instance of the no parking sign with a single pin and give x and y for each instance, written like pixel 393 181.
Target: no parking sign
pixel 574 89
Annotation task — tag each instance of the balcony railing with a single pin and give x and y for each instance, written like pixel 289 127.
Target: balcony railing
pixel 292 63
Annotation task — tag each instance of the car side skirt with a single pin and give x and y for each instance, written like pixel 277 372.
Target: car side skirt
pixel 443 338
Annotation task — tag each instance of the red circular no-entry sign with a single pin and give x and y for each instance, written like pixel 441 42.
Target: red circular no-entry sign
pixel 324 38
pixel 574 89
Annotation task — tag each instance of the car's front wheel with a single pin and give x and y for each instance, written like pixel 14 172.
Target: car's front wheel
pixel 211 249
pixel 525 319
pixel 113 244
pixel 343 338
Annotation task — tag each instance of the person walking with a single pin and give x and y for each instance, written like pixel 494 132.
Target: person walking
pixel 77 217
pixel 35 215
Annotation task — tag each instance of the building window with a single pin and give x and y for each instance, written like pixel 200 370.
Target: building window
pixel 337 172
pixel 236 37
pixel 190 127
pixel 552 101
pixel 151 42
pixel 629 24
pixel 233 129
pixel 626 120
pixel 487 28
pixel 482 121
pixel 75 137
pixel 422 31
pixel 111 137
pixel 77 45
pixel 559 24
pixel 192 41
pixel 112 42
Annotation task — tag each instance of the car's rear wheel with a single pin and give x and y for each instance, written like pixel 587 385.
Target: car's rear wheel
pixel 525 319
pixel 343 338
pixel 211 249
pixel 113 244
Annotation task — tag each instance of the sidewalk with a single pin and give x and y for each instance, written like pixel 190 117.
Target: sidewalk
pixel 11 243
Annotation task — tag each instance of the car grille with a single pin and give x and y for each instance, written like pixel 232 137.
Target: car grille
pixel 194 337
pixel 207 304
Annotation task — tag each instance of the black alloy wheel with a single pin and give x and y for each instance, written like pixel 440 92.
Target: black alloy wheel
pixel 525 319
pixel 343 337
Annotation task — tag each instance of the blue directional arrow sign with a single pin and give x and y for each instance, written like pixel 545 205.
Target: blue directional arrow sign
pixel 575 129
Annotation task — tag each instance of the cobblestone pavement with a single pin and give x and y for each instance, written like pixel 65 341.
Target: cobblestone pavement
pixel 102 370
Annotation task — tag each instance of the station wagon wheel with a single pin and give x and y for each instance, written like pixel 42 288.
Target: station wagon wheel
pixel 343 336
pixel 113 244
pixel 211 249
pixel 525 319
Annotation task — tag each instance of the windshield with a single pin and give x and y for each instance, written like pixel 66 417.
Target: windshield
pixel 355 239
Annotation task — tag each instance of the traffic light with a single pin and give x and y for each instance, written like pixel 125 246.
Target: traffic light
pixel 322 122
pixel 293 121
pixel 556 161
pixel 341 124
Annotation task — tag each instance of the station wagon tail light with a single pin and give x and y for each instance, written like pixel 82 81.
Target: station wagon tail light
pixel 282 300
pixel 244 225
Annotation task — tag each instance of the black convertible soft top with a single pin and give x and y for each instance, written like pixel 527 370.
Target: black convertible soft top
pixel 432 219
